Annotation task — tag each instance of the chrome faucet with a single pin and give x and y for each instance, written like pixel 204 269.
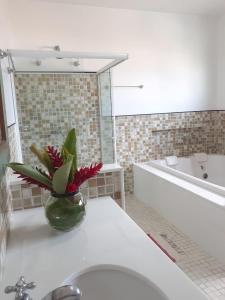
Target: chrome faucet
pixel 20 289
pixel 67 292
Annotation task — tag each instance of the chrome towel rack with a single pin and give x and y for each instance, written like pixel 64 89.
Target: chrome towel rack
pixel 129 86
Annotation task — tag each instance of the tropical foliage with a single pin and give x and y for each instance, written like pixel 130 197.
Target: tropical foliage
pixel 61 174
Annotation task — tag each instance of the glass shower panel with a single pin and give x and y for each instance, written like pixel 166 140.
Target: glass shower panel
pixel 106 119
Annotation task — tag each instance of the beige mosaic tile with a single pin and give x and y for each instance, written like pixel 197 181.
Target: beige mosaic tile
pixel 51 104
pixel 6 197
pixel 13 140
pixel 5 209
pixel 141 138
pixel 27 196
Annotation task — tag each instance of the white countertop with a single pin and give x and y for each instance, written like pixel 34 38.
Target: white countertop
pixel 106 236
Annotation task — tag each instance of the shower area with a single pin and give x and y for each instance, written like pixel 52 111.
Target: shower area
pixel 56 91
pixel 45 94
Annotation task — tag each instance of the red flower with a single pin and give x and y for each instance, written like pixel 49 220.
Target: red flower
pixel 32 181
pixel 85 173
pixel 71 188
pixel 55 156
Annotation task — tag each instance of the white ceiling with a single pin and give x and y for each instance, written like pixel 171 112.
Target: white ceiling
pixel 205 7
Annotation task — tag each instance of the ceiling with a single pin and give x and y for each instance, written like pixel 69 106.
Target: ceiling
pixel 204 7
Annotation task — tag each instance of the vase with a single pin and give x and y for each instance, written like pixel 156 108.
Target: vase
pixel 64 211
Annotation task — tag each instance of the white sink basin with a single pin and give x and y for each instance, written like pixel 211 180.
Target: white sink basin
pixel 108 282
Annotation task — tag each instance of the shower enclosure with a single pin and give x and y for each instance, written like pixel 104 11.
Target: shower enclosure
pixel 106 119
pixel 57 90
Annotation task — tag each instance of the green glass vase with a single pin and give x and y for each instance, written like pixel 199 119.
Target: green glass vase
pixel 65 211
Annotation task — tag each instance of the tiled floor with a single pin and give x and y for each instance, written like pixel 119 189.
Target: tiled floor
pixel 205 271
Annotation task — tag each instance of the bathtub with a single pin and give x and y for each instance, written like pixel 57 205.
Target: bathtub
pixel 190 194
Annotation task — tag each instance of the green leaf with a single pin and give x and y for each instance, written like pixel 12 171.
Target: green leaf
pixel 69 147
pixel 61 177
pixel 70 142
pixel 43 157
pixel 28 171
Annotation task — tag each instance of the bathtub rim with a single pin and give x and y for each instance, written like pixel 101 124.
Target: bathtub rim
pixel 213 198
pixel 218 189
pixel 203 210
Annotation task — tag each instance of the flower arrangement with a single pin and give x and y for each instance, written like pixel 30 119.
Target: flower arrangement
pixel 61 174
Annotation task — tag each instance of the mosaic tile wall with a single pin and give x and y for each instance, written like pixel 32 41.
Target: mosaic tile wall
pixel 219 131
pixel 141 138
pixel 106 139
pixel 105 184
pixel 13 143
pixel 6 195
pixel 51 104
pixel 6 198
pixel 5 208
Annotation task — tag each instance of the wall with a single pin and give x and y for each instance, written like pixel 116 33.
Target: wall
pixel 174 60
pixel 5 193
pixel 145 137
pixel 104 184
pixel 5 207
pixel 221 63
pixel 49 105
pixel 171 54
pixel 6 33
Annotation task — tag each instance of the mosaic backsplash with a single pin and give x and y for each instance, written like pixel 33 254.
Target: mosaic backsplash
pixel 5 208
pixel 141 138
pixel 106 139
pixel 6 198
pixel 104 184
pixel 49 105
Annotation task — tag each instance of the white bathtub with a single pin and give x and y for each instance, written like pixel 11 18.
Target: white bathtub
pixel 193 204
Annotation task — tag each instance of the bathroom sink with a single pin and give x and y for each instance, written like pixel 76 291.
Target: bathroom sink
pixel 107 282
